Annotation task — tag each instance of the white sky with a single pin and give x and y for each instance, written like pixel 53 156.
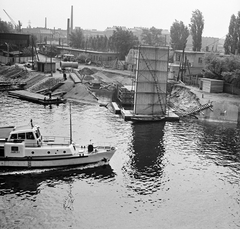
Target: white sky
pixel 100 14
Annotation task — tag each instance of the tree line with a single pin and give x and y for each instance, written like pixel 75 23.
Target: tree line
pixel 232 41
pixel 123 40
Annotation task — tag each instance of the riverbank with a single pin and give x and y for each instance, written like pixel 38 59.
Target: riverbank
pixel 37 81
pixel 225 107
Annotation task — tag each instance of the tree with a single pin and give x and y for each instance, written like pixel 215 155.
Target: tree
pixel 27 51
pixel 53 51
pixel 213 66
pixel 232 41
pixel 5 27
pixel 33 40
pixel 196 28
pixel 97 43
pixel 179 34
pixel 153 37
pixel 77 39
pixel 122 41
pixel 224 68
pixel 238 32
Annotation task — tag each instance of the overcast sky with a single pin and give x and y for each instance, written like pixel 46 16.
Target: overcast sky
pixel 100 14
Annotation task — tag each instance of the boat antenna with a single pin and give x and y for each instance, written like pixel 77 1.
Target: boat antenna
pixel 70 123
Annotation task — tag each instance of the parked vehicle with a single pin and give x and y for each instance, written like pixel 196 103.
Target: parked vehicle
pixel 29 64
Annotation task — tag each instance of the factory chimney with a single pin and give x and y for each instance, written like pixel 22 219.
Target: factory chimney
pixel 45 22
pixel 68 24
pixel 71 18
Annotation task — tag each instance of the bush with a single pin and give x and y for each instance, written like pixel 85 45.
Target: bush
pixel 81 58
pixel 232 77
pixel 226 68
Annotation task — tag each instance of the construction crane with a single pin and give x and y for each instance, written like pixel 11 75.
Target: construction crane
pixel 15 26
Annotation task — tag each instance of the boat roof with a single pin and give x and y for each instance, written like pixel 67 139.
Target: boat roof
pixel 24 129
pixel 5 131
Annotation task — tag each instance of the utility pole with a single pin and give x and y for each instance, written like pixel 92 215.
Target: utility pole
pixel 51 55
pixel 181 66
pixel 32 54
pixel 7 51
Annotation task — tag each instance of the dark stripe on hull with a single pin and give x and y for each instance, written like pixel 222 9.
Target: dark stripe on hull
pixel 39 159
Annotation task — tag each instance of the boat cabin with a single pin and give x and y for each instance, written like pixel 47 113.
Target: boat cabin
pixel 32 136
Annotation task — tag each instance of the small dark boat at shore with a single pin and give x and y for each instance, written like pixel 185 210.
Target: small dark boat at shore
pixel 35 97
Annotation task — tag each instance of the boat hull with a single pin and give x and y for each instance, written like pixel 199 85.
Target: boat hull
pixel 52 162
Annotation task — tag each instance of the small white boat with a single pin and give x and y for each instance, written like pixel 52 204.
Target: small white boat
pixel 27 148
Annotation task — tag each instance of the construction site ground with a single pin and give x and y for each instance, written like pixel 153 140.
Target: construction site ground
pixel 185 98
pixel 37 81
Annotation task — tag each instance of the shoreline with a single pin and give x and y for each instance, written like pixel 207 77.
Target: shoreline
pixel 226 107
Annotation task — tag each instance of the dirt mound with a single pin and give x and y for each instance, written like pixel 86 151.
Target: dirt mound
pixel 16 74
pixel 45 83
pixel 86 71
pixel 183 98
pixel 34 79
pixel 80 92
pixel 13 74
pixel 114 78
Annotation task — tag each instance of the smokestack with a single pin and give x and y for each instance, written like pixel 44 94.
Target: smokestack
pixel 68 23
pixel 45 22
pixel 71 18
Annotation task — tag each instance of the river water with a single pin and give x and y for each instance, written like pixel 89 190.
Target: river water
pixel 163 175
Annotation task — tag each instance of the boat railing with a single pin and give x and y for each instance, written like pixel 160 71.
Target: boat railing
pixel 56 140
pixel 103 146
pixel 27 144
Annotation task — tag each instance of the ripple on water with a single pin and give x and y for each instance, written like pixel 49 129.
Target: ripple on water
pixel 181 174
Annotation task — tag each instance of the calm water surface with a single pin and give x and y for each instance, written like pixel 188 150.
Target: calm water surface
pixel 164 175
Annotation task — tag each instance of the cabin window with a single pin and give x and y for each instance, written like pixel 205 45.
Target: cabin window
pixel 200 60
pixel 13 136
pixel 37 133
pixel 21 136
pixel 29 135
pixel 14 149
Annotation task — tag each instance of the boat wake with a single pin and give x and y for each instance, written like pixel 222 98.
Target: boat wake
pixel 6 172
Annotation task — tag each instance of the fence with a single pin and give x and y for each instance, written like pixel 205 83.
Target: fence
pixel 193 80
pixel 13 60
pixel 229 88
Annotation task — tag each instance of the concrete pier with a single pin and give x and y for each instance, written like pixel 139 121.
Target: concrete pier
pixel 116 108
pixel 128 115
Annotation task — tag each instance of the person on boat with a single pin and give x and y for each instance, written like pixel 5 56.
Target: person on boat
pixel 31 123
pixel 50 95
pixel 64 75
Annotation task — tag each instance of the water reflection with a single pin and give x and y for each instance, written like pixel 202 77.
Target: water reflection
pixel 145 167
pixel 183 171
pixel 221 143
pixel 30 182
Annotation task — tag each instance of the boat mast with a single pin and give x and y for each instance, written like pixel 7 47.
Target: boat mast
pixel 70 123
